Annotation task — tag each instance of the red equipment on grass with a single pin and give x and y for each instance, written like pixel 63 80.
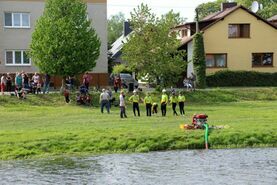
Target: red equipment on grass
pixel 198 120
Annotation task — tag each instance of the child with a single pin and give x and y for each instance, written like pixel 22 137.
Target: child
pixel 66 95
pixel 155 108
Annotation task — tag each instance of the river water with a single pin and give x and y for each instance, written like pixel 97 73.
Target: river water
pixel 234 166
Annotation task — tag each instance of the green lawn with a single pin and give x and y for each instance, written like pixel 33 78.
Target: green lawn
pixel 53 128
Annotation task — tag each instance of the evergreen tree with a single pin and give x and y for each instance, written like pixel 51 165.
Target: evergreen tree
pixel 198 59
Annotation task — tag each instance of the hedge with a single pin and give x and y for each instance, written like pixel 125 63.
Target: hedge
pixel 228 78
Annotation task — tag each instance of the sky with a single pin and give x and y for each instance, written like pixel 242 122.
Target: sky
pixel 185 7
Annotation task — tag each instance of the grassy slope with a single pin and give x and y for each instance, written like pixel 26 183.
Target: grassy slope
pixel 28 130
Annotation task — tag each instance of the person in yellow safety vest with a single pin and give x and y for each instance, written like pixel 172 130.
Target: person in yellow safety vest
pixel 174 101
pixel 148 103
pixel 135 99
pixel 181 100
pixel 164 102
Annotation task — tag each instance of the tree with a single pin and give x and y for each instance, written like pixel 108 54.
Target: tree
pixel 64 42
pixel 199 61
pixel 115 27
pixel 269 7
pixel 152 49
pixel 206 9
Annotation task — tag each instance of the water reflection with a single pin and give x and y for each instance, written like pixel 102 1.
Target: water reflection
pixel 243 166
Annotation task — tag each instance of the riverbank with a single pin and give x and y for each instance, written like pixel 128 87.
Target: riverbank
pixel 44 126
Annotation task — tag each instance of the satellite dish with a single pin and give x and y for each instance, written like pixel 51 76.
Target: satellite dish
pixel 255 6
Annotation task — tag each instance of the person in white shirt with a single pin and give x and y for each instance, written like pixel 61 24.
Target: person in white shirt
pixel 122 105
pixel 105 101
pixel 3 83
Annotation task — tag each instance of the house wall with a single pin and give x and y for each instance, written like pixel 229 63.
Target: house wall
pixel 263 39
pixel 12 39
pixel 189 58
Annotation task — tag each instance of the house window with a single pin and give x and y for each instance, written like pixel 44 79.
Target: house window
pixel 216 60
pixel 17 57
pixel 184 33
pixel 17 20
pixel 262 59
pixel 239 31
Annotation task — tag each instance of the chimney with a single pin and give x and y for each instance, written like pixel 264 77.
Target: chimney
pixel 126 28
pixel 224 6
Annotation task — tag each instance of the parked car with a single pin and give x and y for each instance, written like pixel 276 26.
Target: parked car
pixel 126 79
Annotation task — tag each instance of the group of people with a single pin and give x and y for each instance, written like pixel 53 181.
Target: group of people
pixel 150 105
pixel 189 82
pixel 23 84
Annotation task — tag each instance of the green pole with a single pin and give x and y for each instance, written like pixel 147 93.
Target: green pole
pixel 206 134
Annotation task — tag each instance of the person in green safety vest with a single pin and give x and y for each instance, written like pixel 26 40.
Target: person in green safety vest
pixel 181 100
pixel 135 99
pixel 164 102
pixel 148 103
pixel 174 101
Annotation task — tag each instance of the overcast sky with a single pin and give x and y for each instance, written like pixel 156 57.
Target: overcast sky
pixel 184 7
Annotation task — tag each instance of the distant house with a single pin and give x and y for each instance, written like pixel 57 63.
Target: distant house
pixel 117 46
pixel 17 23
pixel 235 39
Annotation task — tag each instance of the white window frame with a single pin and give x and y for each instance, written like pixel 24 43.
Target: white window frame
pixel 22 58
pixel 21 20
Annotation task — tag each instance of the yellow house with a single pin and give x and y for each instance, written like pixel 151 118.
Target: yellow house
pixel 235 39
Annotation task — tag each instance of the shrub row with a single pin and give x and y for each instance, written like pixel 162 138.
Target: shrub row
pixel 228 78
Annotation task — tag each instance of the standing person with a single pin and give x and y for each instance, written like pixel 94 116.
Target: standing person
pixel 174 101
pixel 164 102
pixel 3 83
pixel 18 80
pixel 117 83
pixel 66 94
pixel 46 83
pixel 86 80
pixel 193 81
pixel 112 99
pixel 36 81
pixel 148 103
pixel 181 100
pixel 104 101
pixel 8 83
pixel 122 105
pixel 36 78
pixel 26 82
pixel 135 99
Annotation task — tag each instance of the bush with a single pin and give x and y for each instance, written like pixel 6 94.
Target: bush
pixel 241 78
pixel 121 68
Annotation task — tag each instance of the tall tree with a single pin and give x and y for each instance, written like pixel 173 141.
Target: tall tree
pixel 64 42
pixel 115 27
pixel 198 59
pixel 152 48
